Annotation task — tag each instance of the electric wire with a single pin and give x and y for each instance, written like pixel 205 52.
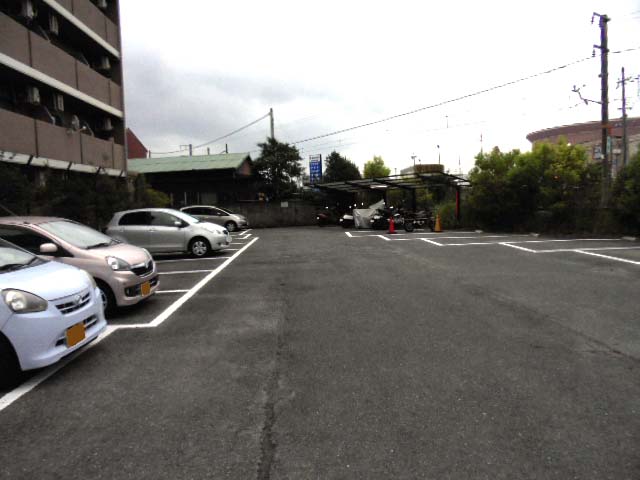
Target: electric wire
pixel 216 139
pixel 457 99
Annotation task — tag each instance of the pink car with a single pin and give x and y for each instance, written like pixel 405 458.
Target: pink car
pixel 125 274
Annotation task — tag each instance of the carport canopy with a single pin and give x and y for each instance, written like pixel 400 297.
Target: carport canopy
pixel 408 181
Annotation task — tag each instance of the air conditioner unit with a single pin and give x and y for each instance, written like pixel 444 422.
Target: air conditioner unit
pixel 104 64
pixel 102 4
pixel 54 26
pixel 106 125
pixel 26 10
pixel 33 95
pixel 57 102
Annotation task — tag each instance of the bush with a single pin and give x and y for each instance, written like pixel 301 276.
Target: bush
pixel 15 191
pixel 625 198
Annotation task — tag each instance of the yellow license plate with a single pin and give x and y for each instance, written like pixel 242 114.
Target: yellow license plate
pixel 75 334
pixel 145 289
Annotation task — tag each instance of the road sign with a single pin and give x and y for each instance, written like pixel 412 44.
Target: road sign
pixel 315 168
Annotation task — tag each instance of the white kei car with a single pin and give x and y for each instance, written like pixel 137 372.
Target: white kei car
pixel 47 311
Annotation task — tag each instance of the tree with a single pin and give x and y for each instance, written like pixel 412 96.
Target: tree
pixel 553 186
pixel 278 165
pixel 626 195
pixel 339 168
pixel 376 168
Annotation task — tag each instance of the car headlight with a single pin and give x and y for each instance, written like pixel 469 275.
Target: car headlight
pixel 118 264
pixel 24 302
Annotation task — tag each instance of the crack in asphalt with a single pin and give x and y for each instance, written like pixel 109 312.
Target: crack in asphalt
pixel 268 444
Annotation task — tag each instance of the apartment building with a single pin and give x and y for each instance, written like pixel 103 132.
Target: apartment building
pixel 61 95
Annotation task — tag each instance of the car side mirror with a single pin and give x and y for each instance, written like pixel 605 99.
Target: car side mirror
pixel 48 248
pixel 178 224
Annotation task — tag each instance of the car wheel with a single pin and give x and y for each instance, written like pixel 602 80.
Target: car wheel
pixel 231 226
pixel 199 247
pixel 107 298
pixel 10 373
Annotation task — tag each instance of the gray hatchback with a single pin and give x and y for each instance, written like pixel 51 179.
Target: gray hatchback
pixel 163 230
pixel 207 213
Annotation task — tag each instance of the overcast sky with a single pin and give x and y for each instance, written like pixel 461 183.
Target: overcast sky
pixel 196 70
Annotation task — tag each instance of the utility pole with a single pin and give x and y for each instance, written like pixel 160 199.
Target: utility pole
pixel 226 148
pixel 625 138
pixel 271 117
pixel 604 77
pixel 190 150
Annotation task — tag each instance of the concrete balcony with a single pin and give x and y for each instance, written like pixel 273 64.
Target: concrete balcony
pixel 14 39
pixel 115 96
pixel 92 83
pixel 52 61
pixel 58 143
pixel 97 152
pixel 119 160
pixel 18 133
pixel 96 20
pixel 91 16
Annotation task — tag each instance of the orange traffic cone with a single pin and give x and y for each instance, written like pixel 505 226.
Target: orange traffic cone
pixel 392 225
pixel 438 227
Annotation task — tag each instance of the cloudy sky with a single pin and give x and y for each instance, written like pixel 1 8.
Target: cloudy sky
pixel 198 69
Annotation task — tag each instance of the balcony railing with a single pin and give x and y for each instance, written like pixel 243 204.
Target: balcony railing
pixel 25 135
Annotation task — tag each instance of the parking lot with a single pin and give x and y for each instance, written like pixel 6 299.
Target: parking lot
pixel 331 353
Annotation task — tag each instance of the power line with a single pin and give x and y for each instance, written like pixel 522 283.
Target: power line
pixel 457 99
pixel 219 138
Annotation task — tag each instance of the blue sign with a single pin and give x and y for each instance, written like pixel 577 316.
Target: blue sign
pixel 315 168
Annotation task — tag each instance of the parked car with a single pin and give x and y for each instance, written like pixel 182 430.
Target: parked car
pixel 163 230
pixel 125 274
pixel 346 220
pixel 230 221
pixel 47 311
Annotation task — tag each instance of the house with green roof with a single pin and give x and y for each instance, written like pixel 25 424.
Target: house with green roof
pixel 200 179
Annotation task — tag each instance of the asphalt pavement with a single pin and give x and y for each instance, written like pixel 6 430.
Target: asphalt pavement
pixel 307 353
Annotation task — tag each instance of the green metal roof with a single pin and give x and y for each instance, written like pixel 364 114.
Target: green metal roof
pixel 224 161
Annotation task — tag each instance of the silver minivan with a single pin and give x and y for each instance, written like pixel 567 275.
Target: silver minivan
pixel 125 274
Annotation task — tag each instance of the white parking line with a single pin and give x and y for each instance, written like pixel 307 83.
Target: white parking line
pixel 194 259
pixel 608 257
pixel 10 397
pixel 431 241
pixel 172 291
pixel 456 238
pixel 185 271
pixel 518 247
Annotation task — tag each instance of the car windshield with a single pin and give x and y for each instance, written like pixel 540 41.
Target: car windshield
pixel 185 216
pixel 77 235
pixel 14 258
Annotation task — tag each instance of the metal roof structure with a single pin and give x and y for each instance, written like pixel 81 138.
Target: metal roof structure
pixel 409 181
pixel 223 161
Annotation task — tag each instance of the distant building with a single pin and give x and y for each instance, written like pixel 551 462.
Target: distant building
pixel 201 179
pixel 61 100
pixel 589 135
pixel 135 148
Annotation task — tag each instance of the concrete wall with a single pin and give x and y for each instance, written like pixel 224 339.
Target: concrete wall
pixel 272 214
